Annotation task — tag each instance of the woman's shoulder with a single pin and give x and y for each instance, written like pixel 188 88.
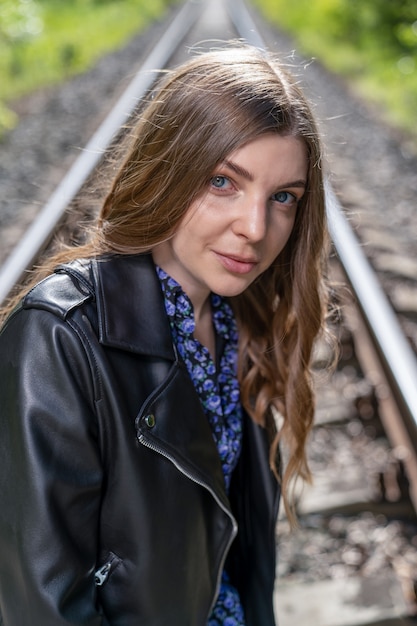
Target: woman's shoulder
pixel 78 281
pixel 68 287
pixel 101 294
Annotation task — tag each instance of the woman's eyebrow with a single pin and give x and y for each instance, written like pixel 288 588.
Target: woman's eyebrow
pixel 296 183
pixel 241 171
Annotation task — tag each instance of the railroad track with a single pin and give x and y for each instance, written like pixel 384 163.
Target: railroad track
pixel 353 560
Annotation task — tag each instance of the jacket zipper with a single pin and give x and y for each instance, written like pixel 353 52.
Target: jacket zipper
pixel 142 439
pixel 103 572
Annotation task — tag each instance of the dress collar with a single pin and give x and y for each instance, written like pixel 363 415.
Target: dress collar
pixel 180 310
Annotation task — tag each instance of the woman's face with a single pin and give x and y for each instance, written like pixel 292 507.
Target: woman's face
pixel 235 231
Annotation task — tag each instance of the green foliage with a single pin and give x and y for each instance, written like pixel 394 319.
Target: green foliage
pixel 372 42
pixel 45 41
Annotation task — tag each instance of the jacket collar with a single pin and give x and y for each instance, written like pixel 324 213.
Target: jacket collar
pixel 130 305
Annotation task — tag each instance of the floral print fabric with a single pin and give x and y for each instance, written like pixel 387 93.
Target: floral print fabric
pixel 219 395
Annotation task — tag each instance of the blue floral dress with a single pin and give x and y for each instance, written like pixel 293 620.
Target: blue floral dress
pixel 219 395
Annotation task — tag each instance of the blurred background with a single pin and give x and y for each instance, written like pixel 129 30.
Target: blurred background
pixel 43 42
pixel 370 43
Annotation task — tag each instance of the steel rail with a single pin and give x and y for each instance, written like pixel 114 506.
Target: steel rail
pixel 398 361
pixel 244 24
pixel 397 358
pixel 41 230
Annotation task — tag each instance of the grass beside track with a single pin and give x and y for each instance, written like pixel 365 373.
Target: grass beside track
pixel 372 43
pixel 43 42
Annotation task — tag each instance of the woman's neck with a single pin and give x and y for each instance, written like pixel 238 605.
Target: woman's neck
pixel 204 330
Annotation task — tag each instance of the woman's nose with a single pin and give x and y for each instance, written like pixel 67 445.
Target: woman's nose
pixel 251 221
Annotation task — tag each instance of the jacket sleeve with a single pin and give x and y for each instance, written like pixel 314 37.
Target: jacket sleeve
pixel 50 474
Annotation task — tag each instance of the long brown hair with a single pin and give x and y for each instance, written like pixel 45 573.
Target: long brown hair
pixel 196 116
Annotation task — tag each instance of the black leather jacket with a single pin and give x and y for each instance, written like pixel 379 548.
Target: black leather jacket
pixel 113 507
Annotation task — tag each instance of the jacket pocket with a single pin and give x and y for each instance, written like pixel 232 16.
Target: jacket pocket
pixel 103 573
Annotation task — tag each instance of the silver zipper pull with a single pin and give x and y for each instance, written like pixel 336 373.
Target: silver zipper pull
pixel 102 574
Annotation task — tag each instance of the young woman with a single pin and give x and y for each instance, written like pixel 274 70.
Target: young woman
pixel 139 381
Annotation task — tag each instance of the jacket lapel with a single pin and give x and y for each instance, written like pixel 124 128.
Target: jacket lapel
pixel 130 306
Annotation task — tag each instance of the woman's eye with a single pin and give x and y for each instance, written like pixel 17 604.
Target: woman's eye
pixel 220 182
pixel 284 197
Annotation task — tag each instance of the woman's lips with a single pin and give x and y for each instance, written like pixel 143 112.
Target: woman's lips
pixel 235 264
